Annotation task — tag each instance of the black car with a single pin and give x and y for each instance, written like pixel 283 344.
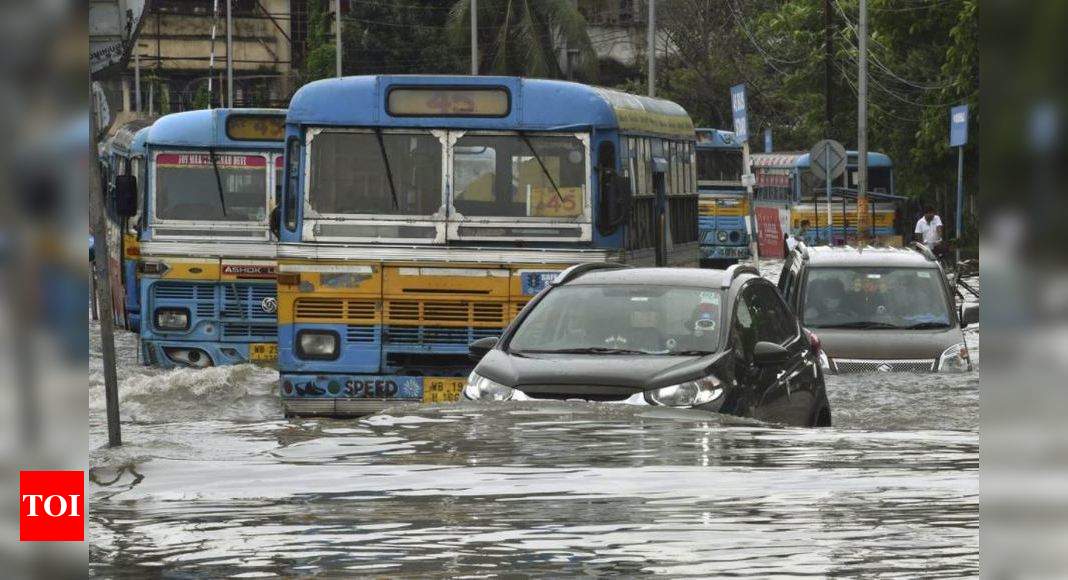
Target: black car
pixel 721 341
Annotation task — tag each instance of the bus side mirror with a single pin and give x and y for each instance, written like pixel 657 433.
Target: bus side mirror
pixel 126 195
pixel 615 201
pixel 274 222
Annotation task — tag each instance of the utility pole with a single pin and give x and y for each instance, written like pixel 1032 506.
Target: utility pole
pixel 137 80
pixel 863 219
pixel 101 264
pixel 474 37
pixel 229 56
pixel 828 45
pixel 337 35
pixel 650 47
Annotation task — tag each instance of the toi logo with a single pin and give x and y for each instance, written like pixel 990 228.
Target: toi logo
pixel 52 506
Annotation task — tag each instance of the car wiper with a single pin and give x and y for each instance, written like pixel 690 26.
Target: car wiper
pixel 862 324
pixel 587 350
pixel 923 325
pixel 542 164
pixel 389 171
pixel 218 180
pixel 691 353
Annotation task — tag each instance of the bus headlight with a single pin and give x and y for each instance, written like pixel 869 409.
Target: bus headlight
pixel 172 319
pixel 955 359
pixel 317 344
pixel 688 394
pixel 721 236
pixel 479 388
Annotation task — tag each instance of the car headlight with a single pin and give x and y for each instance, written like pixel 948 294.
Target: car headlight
pixel 317 344
pixel 172 319
pixel 479 388
pixel 825 363
pixel 688 394
pixel 721 236
pixel 955 359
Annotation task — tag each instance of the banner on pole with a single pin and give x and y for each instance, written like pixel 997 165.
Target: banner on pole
pixel 738 109
pixel 769 233
pixel 958 126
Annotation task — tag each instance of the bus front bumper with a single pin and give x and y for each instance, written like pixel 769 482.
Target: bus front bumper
pixel 356 395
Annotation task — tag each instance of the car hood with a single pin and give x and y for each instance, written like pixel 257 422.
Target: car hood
pixel 879 344
pixel 638 372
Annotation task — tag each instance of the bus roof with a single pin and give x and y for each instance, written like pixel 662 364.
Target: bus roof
pixel 533 105
pixel 716 139
pixel 801 160
pixel 130 138
pixel 209 128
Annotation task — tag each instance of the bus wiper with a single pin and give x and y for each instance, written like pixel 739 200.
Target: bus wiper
pixel 218 180
pixel 541 163
pixel 389 171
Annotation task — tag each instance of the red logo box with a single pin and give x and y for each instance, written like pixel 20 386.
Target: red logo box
pixel 52 506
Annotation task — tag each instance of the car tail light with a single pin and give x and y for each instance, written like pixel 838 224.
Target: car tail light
pixel 814 341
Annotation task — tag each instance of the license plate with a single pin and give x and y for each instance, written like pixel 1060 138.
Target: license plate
pixel 263 352
pixel 442 390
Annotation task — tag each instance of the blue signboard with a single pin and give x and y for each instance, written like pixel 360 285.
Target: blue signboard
pixel 738 109
pixel 958 126
pixel 767 140
pixel 534 282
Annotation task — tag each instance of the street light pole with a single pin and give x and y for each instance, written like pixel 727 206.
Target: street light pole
pixel 650 47
pixel 474 37
pixel 229 56
pixel 337 35
pixel 863 229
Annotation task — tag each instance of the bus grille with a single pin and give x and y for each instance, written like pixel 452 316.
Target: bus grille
pixel 245 301
pixel 201 295
pixel 361 333
pixel 441 312
pixel 436 334
pixel 236 330
pixel 335 308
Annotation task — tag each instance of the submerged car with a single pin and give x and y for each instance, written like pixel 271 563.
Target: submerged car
pixel 720 341
pixel 878 309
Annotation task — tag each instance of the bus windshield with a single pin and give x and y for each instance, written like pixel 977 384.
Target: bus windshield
pixel 351 173
pixel 719 165
pixel 519 176
pixel 188 187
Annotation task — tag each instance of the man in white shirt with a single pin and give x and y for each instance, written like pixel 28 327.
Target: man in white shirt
pixel 929 229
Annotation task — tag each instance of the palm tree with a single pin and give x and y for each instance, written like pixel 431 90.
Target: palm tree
pixel 526 37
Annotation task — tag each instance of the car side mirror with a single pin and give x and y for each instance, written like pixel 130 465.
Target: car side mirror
pixel 126 195
pixel 769 353
pixel 480 347
pixel 969 315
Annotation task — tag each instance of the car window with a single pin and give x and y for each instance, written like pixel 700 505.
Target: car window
pixel 787 274
pixel 742 337
pixel 772 321
pixel 860 297
pixel 647 319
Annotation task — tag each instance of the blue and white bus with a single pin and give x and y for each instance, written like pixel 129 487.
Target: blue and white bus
pixel 724 211
pixel 207 253
pixel 423 212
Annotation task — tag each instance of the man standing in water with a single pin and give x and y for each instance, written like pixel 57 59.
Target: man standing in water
pixel 929 231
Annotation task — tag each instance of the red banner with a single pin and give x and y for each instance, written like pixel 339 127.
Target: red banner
pixel 769 233
pixel 204 160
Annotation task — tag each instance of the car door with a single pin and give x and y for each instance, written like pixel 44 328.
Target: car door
pixel 788 388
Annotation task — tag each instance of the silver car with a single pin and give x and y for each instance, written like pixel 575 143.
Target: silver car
pixel 878 309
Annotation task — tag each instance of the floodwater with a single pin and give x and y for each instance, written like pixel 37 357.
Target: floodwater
pixel 211 480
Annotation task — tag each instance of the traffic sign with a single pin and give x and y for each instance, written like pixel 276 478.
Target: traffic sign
pixel 958 126
pixel 828 158
pixel 738 110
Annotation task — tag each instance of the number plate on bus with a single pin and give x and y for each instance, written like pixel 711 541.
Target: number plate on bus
pixel 442 390
pixel 263 352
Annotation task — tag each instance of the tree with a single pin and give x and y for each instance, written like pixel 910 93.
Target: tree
pixel 524 37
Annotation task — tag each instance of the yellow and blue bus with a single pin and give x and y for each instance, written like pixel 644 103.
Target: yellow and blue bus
pixel 786 180
pixel 207 269
pixel 123 153
pixel 724 211
pixel 422 213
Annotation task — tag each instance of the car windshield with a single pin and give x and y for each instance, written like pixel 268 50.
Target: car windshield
pixel 875 298
pixel 188 187
pixel 623 319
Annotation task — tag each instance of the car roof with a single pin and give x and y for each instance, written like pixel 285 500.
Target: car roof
pixel 701 278
pixel 868 256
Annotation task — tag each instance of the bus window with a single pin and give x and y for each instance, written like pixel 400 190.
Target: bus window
pixel 349 173
pixel 500 176
pixel 188 187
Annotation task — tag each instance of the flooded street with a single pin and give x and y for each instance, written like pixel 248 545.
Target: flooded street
pixel 211 480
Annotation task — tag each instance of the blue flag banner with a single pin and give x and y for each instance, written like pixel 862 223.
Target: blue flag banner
pixel 738 108
pixel 958 126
